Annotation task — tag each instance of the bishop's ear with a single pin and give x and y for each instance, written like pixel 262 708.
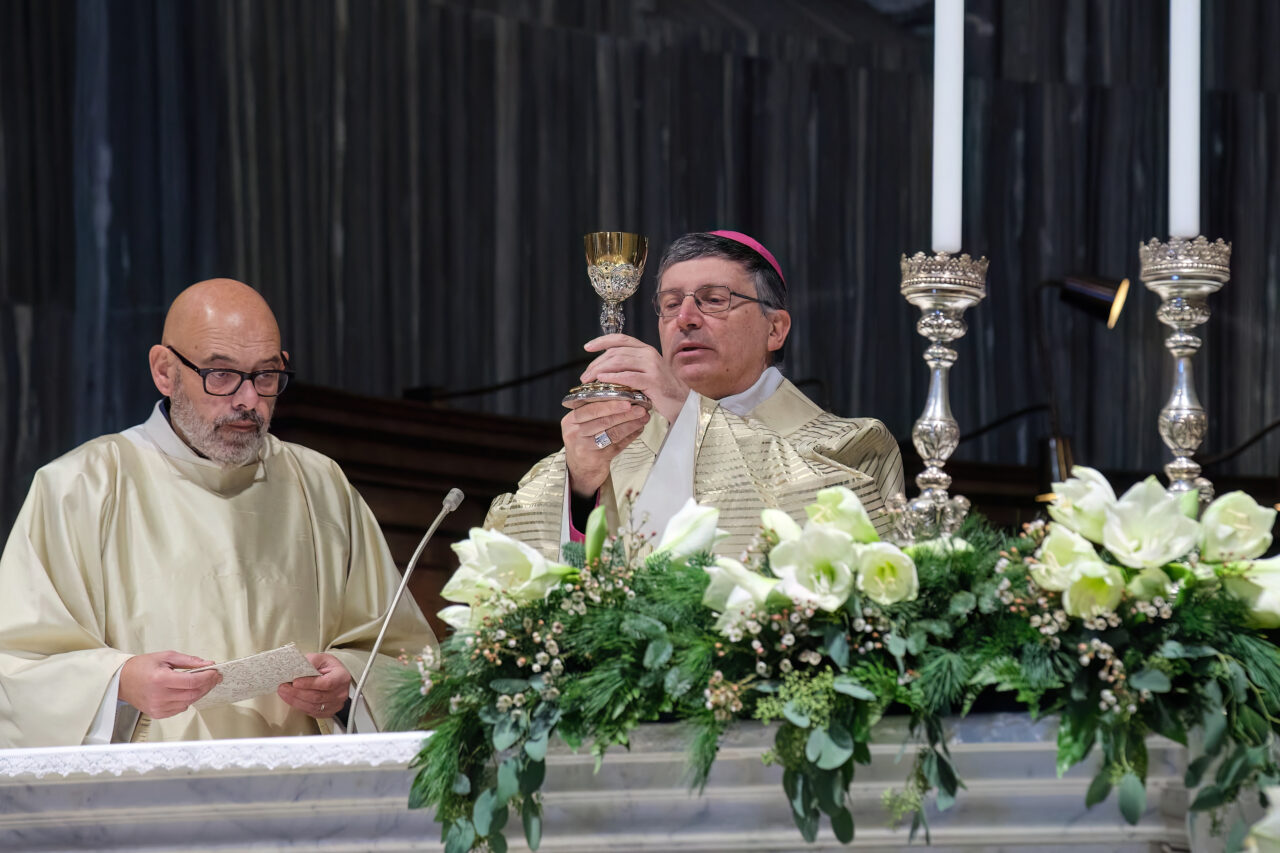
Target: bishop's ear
pixel 779 327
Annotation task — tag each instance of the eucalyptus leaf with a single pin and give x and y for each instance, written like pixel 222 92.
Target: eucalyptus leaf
pixel 1215 730
pixel 796 715
pixel 837 749
pixel 830 791
pixel 509 686
pixel 637 626
pixel 531 816
pixel 917 642
pixel 1209 797
pixel 798 795
pixel 1132 795
pixel 842 825
pixel 536 748
pixel 460 838
pixel 657 653
pixel 1195 771
pixel 1151 679
pixel 1172 649
pixel 1099 788
pixel 896 645
pixel 945 800
pixel 676 683
pixel 508 779
pixel 838 649
pixel 962 603
pixel 506 733
pixel 807 823
pixel 461 784
pixel 1239 681
pixel 497 842
pixel 498 821
pixel 814 745
pixel 482 811
pixel 532 775
pixel 849 687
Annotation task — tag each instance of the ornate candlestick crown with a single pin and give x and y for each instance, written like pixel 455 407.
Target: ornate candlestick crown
pixel 943 288
pixel 1183 272
pixel 615 264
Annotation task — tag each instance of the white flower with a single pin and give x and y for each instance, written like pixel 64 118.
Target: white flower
pixel 734 587
pixel 690 531
pixel 780 524
pixel 1096 588
pixel 1149 584
pixel 840 508
pixel 1264 836
pixel 885 574
pixel 1081 502
pixel 1257 584
pixel 494 562
pixel 457 616
pixel 1145 529
pixel 1058 554
pixel 817 567
pixel 1234 527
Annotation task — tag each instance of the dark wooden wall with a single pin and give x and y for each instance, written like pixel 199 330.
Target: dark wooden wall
pixel 408 181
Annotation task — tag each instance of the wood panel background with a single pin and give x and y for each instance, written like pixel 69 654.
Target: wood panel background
pixel 407 181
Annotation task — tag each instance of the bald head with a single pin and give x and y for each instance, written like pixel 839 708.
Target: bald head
pixel 218 309
pixel 227 327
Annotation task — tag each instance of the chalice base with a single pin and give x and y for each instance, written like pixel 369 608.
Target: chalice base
pixel 593 392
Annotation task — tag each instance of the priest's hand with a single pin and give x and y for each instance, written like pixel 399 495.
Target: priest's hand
pixel 320 695
pixel 156 685
pixel 588 461
pixel 626 361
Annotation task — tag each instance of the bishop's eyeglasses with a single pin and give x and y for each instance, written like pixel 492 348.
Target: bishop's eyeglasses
pixel 224 381
pixel 710 299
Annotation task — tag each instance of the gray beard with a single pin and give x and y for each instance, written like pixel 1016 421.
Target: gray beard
pixel 229 448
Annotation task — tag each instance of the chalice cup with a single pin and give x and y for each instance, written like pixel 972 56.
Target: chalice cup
pixel 615 263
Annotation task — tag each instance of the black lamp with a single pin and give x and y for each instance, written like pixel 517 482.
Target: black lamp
pixel 1102 298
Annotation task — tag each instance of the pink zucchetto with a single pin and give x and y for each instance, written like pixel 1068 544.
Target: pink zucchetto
pixel 755 245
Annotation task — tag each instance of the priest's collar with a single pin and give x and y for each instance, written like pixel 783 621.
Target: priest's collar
pixel 159 431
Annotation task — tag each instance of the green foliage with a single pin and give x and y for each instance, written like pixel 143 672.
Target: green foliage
pixel 628 641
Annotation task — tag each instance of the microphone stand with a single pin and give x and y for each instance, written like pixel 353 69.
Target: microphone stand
pixel 451 502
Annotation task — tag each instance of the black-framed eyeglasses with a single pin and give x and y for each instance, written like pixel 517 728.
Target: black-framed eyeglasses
pixel 224 382
pixel 710 299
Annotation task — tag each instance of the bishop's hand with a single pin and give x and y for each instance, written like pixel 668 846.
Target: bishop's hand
pixel 594 433
pixel 623 360
pixel 156 685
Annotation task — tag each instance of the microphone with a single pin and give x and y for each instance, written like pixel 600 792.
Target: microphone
pixel 451 502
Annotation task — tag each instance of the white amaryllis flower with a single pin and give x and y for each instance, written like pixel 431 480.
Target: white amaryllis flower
pixel 1234 528
pixel 494 562
pixel 1058 555
pixel 886 575
pixel 1150 583
pixel 1145 529
pixel 1264 836
pixel 817 567
pixel 690 531
pixel 1082 501
pixel 780 524
pixel 1096 588
pixel 1257 584
pixel 459 617
pixel 735 588
pixel 840 508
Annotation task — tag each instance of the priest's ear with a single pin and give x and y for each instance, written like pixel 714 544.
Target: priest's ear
pixel 163 367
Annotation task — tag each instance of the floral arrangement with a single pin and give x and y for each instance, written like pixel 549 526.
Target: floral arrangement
pixel 1123 617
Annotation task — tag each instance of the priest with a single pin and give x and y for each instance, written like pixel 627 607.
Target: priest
pixel 193 538
pixel 725 428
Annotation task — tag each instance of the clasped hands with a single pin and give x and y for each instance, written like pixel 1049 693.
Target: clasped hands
pixel 623 360
pixel 157 685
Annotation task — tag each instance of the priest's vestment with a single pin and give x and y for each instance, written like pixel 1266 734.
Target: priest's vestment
pixel 777 455
pixel 132 543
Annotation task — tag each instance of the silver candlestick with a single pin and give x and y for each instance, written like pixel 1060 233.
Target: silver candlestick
pixel 943 288
pixel 1183 272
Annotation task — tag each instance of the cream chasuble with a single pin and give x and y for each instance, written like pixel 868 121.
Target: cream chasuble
pixel 779 453
pixel 132 544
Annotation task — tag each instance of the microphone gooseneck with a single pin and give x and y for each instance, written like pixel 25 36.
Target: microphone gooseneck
pixel 451 502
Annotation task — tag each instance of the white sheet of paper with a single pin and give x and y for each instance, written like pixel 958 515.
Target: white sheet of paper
pixel 255 675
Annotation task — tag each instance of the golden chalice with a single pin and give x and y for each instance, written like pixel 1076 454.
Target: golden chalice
pixel 615 263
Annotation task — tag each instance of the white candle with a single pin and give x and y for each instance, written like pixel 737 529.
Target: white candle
pixel 948 122
pixel 1184 118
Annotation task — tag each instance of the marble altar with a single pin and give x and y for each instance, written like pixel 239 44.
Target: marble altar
pixel 348 793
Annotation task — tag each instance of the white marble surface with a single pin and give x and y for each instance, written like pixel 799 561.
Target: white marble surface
pixel 348 793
